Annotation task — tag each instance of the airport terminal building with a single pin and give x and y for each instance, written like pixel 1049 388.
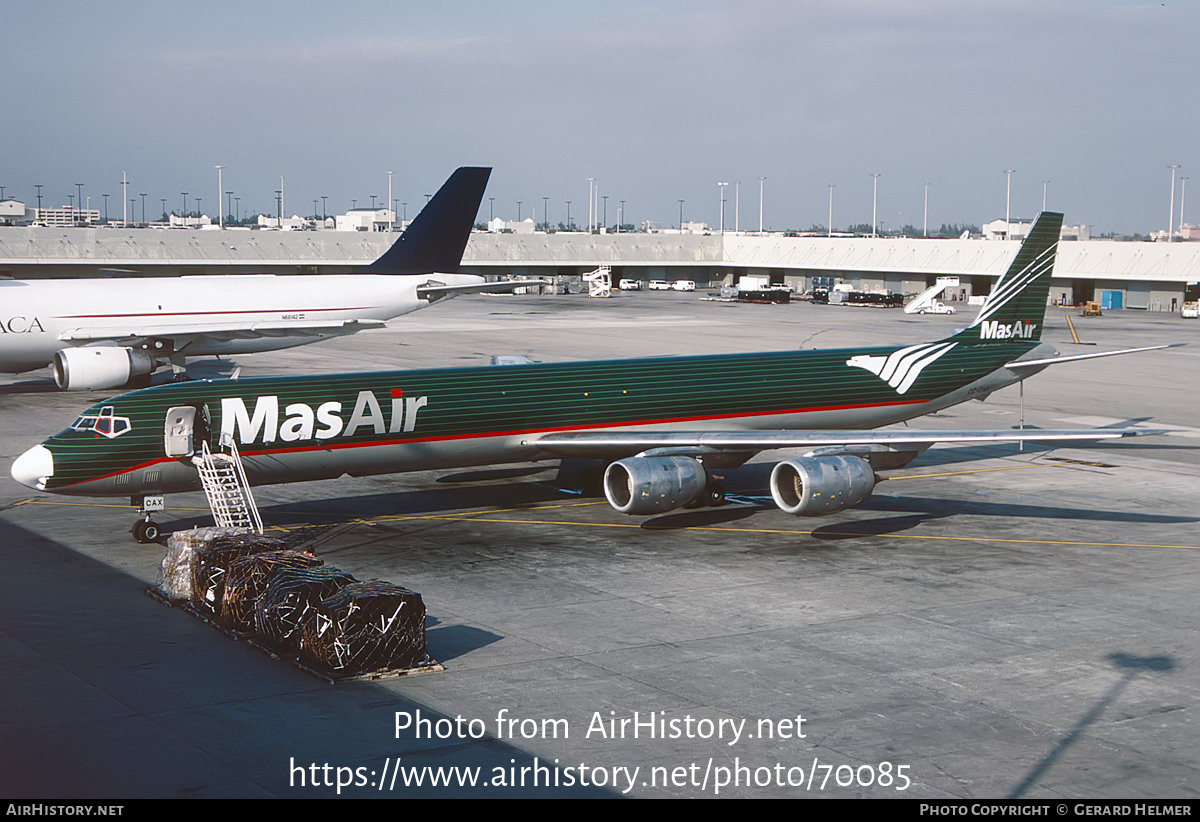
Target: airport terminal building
pixel 1152 276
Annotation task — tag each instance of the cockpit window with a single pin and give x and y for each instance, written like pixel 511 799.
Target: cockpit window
pixel 106 423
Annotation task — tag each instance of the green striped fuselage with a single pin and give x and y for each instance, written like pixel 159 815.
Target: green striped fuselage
pixel 300 428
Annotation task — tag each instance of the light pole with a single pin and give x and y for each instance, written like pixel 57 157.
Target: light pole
pixel 143 196
pixel 737 206
pixel 220 188
pixel 874 201
pixel 518 211
pixel 681 216
pixel 392 213
pixel 831 188
pixel 1007 202
pixel 1044 184
pixel 721 191
pixel 925 228
pixel 760 202
pixel 1171 212
pixel 184 193
pixel 568 215
pixel 105 196
pixel 620 216
pixel 546 213
pixel 1182 194
pixel 591 189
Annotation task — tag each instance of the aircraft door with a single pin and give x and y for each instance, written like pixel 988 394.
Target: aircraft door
pixel 179 431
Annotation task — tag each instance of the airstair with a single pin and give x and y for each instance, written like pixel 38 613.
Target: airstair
pixel 925 300
pixel 225 485
pixel 599 282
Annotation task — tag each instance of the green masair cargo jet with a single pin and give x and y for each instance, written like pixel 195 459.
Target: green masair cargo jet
pixel 664 423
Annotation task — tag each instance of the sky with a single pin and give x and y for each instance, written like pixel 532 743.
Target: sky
pixel 656 101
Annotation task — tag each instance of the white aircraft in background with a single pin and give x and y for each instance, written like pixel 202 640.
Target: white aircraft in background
pixel 105 333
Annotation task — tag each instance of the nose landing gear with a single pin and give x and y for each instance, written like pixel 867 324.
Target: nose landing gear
pixel 146 530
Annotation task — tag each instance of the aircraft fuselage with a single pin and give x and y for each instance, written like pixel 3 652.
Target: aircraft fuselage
pixel 303 428
pixel 257 312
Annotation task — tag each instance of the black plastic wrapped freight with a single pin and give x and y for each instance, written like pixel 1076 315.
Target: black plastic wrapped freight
pixel 291 593
pixel 365 627
pixel 247 579
pixel 211 566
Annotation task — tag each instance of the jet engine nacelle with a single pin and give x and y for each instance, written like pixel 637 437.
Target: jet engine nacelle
pixel 101 366
pixel 815 486
pixel 652 485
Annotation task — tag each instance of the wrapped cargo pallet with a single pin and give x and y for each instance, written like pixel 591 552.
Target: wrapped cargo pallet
pixel 365 627
pixel 247 579
pixel 290 594
pixel 211 566
pixel 175 575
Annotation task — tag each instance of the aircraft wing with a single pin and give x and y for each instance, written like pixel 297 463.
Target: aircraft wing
pixel 600 444
pixel 137 334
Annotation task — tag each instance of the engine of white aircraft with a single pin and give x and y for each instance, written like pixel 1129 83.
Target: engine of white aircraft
pixel 653 485
pixel 99 367
pixel 815 486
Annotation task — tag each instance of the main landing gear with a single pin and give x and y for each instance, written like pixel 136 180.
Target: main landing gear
pixel 146 530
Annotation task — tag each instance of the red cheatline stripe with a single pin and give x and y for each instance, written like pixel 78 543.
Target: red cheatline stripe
pixel 480 435
pixel 213 313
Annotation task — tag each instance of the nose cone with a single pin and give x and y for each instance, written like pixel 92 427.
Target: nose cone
pixel 34 467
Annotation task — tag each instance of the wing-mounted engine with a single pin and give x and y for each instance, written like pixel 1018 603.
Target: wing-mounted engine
pixel 653 485
pixel 100 366
pixel 815 486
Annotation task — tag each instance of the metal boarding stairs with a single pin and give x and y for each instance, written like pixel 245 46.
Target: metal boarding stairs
pixel 225 485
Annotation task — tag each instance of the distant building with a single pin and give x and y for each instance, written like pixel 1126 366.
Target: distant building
pixel 366 219
pixel 1001 230
pixel 66 216
pixel 499 226
pixel 13 212
pixel 175 221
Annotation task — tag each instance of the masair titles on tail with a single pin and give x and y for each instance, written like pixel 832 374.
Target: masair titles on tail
pixel 665 425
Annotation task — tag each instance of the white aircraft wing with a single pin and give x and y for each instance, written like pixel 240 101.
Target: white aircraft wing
pixel 135 334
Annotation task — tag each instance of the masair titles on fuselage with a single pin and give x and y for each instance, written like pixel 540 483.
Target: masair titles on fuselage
pixel 301 421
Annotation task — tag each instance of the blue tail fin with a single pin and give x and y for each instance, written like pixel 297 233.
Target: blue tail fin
pixel 435 239
pixel 1017 305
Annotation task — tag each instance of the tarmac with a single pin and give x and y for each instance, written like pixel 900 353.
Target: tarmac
pixel 993 622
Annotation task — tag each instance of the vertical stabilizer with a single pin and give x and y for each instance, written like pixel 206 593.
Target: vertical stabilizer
pixel 1017 305
pixel 435 239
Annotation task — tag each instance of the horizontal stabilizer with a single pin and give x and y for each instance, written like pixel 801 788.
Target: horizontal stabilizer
pixel 433 292
pixel 1090 356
